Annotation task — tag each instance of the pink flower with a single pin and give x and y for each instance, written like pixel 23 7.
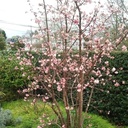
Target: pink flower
pixel 67 108
pixel 124 48
pixel 123 82
pixel 65 69
pixel 103 68
pixel 39 127
pixel 79 88
pixel 49 85
pixel 113 69
pixel 63 81
pixel 107 63
pixel 16 68
pixel 116 72
pixel 96 81
pixel 81 67
pixel 44 100
pixel 37 21
pixel 89 1
pixel 46 97
pixel 23 74
pixel 25 90
pixel 116 84
pixel 63 126
pixel 34 100
pixel 59 89
pixel 76 21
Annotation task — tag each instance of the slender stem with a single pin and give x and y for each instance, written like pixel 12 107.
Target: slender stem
pixel 80 94
pixel 89 101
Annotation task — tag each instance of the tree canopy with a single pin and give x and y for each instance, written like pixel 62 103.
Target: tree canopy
pixel 3 33
pixel 2 39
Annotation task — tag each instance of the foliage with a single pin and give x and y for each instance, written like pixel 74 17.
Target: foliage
pixel 95 121
pixel 29 114
pixel 12 79
pixel 3 33
pixel 110 100
pixel 6 119
pixel 2 43
pixel 30 117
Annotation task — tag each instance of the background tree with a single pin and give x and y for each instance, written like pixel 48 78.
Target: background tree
pixel 3 33
pixel 2 40
pixel 118 19
pixel 16 43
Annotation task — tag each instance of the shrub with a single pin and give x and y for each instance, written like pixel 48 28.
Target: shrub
pixel 109 100
pixel 13 76
pixel 6 118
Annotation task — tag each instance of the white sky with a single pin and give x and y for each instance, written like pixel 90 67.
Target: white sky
pixel 13 11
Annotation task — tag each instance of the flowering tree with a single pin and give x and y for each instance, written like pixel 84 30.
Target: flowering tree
pixel 118 18
pixel 63 27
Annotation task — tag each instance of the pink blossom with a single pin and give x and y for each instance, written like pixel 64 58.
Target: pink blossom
pixel 116 72
pixel 46 97
pixel 79 86
pixel 79 90
pixel 123 82
pixel 63 82
pixel 67 108
pixel 49 123
pixel 116 84
pixel 103 68
pixel 89 1
pixel 21 68
pixel 59 89
pixel 39 127
pixel 44 100
pixel 96 81
pixel 18 57
pixel 124 48
pixel 37 21
pixel 49 85
pixel 113 69
pixel 34 100
pixel 25 90
pixel 27 95
pixel 16 68
pixel 63 126
pixel 81 67
pixel 65 69
pixel 107 63
pixel 76 21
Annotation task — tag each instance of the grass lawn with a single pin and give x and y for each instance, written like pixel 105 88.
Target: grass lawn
pixel 30 114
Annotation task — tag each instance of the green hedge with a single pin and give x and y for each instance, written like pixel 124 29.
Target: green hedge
pixel 112 103
pixel 11 76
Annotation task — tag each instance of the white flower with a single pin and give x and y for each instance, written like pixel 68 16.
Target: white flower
pixel 96 81
pixel 113 69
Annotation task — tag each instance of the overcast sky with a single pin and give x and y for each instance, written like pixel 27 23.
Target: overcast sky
pixel 13 11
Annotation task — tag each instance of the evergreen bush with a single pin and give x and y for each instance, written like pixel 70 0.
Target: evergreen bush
pixel 109 100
